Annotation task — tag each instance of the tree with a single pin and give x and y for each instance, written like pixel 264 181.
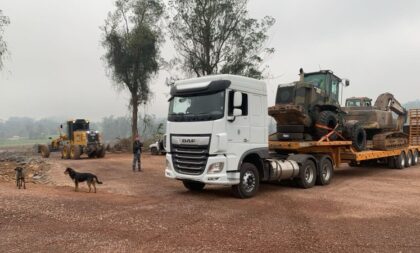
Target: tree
pixel 3 46
pixel 217 36
pixel 131 38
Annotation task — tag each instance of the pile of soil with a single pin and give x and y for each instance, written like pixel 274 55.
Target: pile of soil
pixel 35 168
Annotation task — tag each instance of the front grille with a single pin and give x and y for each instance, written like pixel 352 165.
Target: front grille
pixel 189 159
pixel 285 95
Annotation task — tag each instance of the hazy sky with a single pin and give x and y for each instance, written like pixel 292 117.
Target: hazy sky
pixel 55 66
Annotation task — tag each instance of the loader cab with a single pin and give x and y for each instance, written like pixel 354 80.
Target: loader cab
pixel 76 129
pixel 326 81
pixel 358 102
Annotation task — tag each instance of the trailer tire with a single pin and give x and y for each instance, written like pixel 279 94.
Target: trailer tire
pixel 45 151
pixel 249 182
pixel 415 157
pixel 307 174
pixel 193 185
pixel 400 161
pixel 325 171
pixel 409 159
pixel 328 119
pixel 290 128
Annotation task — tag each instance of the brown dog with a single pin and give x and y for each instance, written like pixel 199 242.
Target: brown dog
pixel 20 178
pixel 78 177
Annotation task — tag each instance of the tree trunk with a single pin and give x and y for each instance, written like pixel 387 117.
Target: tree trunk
pixel 135 109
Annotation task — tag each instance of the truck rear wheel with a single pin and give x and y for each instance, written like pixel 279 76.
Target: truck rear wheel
pixel 400 161
pixel 325 171
pixel 249 182
pixel 193 185
pixel 409 159
pixel 307 175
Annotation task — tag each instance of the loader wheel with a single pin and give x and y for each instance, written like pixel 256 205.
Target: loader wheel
pixel 357 136
pixel 65 153
pixel 328 119
pixel 400 161
pixel 249 182
pixel 409 159
pixel 100 153
pixel 45 151
pixel 325 171
pixel 415 157
pixel 75 152
pixel 307 175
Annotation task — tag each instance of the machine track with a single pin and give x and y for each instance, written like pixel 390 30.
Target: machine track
pixel 390 140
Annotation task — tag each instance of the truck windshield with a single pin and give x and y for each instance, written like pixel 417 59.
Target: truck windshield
pixel 197 108
pixel 317 80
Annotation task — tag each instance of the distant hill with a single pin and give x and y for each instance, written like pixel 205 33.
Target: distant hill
pixel 412 104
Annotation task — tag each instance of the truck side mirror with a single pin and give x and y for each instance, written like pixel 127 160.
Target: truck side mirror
pixel 347 82
pixel 237 99
pixel 237 112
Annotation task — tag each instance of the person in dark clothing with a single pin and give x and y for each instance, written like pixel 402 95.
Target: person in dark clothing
pixel 137 153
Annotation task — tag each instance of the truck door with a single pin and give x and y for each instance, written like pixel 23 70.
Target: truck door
pixel 238 130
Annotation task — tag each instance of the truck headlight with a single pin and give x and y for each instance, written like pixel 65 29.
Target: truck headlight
pixel 216 168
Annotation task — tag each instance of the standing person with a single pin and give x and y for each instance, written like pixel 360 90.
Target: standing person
pixel 137 152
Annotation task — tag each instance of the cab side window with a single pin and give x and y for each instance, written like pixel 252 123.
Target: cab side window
pixel 334 88
pixel 244 106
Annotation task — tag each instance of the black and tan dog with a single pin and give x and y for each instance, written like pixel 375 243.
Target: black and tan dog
pixel 20 178
pixel 78 177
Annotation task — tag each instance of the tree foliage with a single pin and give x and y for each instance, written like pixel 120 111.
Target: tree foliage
pixel 217 36
pixel 3 46
pixel 131 38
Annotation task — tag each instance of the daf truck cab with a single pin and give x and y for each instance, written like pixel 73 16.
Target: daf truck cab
pixel 217 133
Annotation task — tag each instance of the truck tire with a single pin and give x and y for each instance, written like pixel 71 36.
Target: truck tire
pixel 100 153
pixel 400 161
pixel 328 119
pixel 154 151
pixel 415 157
pixel 307 174
pixel 249 182
pixel 409 159
pixel 357 135
pixel 290 129
pixel 193 185
pixel 45 151
pixel 75 152
pixel 65 153
pixel 325 171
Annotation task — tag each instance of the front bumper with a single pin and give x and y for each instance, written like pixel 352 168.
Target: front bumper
pixel 221 178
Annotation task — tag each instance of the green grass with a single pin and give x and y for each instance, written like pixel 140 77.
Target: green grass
pixel 22 142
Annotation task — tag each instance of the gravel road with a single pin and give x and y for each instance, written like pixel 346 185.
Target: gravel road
pixel 363 209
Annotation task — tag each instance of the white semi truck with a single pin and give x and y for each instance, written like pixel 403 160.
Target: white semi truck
pixel 217 133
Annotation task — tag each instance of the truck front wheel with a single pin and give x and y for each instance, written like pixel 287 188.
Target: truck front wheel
pixel 193 185
pixel 249 182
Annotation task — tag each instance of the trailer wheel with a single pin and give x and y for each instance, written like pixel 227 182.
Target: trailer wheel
pixel 408 159
pixel 249 182
pixel 415 157
pixel 193 185
pixel 400 161
pixel 325 171
pixel 307 175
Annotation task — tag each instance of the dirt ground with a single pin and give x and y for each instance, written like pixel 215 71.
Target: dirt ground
pixel 363 210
